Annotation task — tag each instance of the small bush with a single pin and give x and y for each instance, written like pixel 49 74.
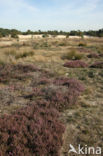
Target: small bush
pixel 82 44
pixel 73 55
pixel 76 64
pixel 97 65
pixel 45 35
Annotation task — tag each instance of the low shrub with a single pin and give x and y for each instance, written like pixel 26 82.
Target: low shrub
pixel 97 65
pixel 73 55
pixel 76 64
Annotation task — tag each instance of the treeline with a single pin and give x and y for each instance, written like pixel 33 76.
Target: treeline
pixel 14 33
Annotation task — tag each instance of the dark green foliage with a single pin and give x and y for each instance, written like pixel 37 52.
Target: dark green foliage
pixel 99 33
pixel 82 44
pixel 7 32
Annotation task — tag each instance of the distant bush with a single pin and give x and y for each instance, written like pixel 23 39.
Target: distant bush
pixel 73 55
pixel 97 65
pixel 93 55
pixel 82 44
pixel 14 34
pixel 76 64
pixel 45 35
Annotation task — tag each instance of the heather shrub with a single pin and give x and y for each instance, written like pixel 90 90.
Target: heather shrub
pixel 73 55
pixel 60 94
pixel 66 94
pixel 76 64
pixel 97 65
pixel 31 131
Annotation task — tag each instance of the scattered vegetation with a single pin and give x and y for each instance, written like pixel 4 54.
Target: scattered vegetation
pixel 42 103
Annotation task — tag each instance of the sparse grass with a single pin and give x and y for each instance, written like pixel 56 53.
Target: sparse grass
pixel 73 55
pixel 24 54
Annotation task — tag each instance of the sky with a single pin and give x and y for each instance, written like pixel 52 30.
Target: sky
pixel 63 15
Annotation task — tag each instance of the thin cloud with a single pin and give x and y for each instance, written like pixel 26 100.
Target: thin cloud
pixel 17 5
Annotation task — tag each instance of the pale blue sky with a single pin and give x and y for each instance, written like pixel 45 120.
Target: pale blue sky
pixel 51 14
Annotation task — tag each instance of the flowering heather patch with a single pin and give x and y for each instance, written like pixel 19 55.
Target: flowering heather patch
pixel 31 131
pixel 20 72
pixel 75 88
pixel 62 93
pixel 34 130
pixel 97 65
pixel 75 64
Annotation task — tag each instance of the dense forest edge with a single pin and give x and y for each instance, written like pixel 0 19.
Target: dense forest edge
pixel 14 33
